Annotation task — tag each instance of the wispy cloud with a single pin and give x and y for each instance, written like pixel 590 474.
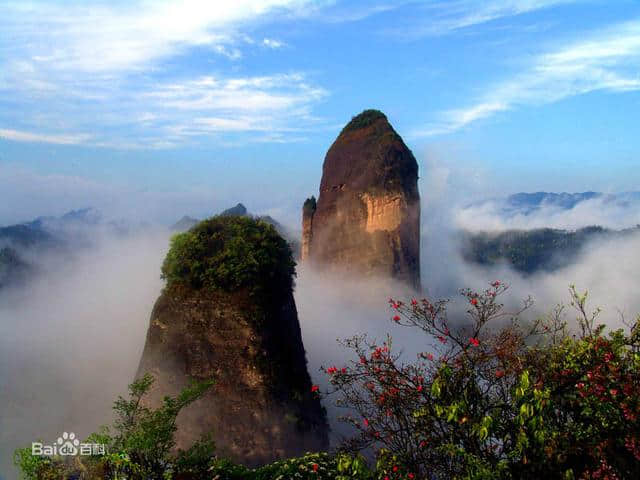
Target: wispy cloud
pixel 605 61
pixel 211 105
pixel 456 119
pixel 243 94
pixel 117 69
pixel 60 139
pixel 112 37
pixel 272 43
pixel 355 13
pixel 443 17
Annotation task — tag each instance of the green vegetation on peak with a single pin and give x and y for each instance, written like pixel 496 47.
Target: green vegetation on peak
pixel 363 120
pixel 231 253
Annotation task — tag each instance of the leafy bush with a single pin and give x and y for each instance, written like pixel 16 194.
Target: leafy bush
pixel 498 402
pixel 140 447
pixel 231 253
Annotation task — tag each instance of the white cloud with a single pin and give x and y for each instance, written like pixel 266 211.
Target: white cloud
pixel 274 104
pixel 604 211
pixel 456 119
pixel 607 61
pixel 272 43
pixel 60 139
pixel 116 69
pixel 446 17
pixel 355 13
pixel 247 94
pixel 110 37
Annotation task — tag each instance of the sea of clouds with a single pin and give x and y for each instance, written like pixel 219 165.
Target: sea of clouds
pixel 71 339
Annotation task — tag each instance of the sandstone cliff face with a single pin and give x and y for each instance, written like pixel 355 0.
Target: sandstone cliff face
pixel 367 219
pixel 261 407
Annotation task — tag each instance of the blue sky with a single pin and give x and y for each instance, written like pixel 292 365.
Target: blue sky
pixel 156 109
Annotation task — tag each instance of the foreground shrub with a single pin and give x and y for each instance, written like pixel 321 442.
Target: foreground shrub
pixel 140 447
pixel 496 400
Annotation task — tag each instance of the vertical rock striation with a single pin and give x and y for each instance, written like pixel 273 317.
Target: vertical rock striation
pixel 367 217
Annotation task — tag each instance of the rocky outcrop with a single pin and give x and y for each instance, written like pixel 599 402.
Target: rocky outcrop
pixel 367 217
pixel 248 339
pixel 239 210
pixel 308 210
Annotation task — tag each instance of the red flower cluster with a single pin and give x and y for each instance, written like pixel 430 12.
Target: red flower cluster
pixel 428 356
pixel 377 354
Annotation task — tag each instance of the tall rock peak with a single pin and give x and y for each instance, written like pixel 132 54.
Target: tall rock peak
pixel 367 217
pixel 308 211
pixel 228 313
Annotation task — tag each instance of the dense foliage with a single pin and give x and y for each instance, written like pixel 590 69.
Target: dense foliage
pixel 364 119
pixel 499 401
pixel 496 398
pixel 231 253
pixel 138 448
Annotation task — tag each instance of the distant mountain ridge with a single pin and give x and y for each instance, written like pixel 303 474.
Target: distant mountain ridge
pixel 530 251
pixel 22 244
pixel 541 249
pixel 525 203
pixel 537 199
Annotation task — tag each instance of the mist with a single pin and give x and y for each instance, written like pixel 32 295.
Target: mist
pixel 71 339
pixel 603 211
